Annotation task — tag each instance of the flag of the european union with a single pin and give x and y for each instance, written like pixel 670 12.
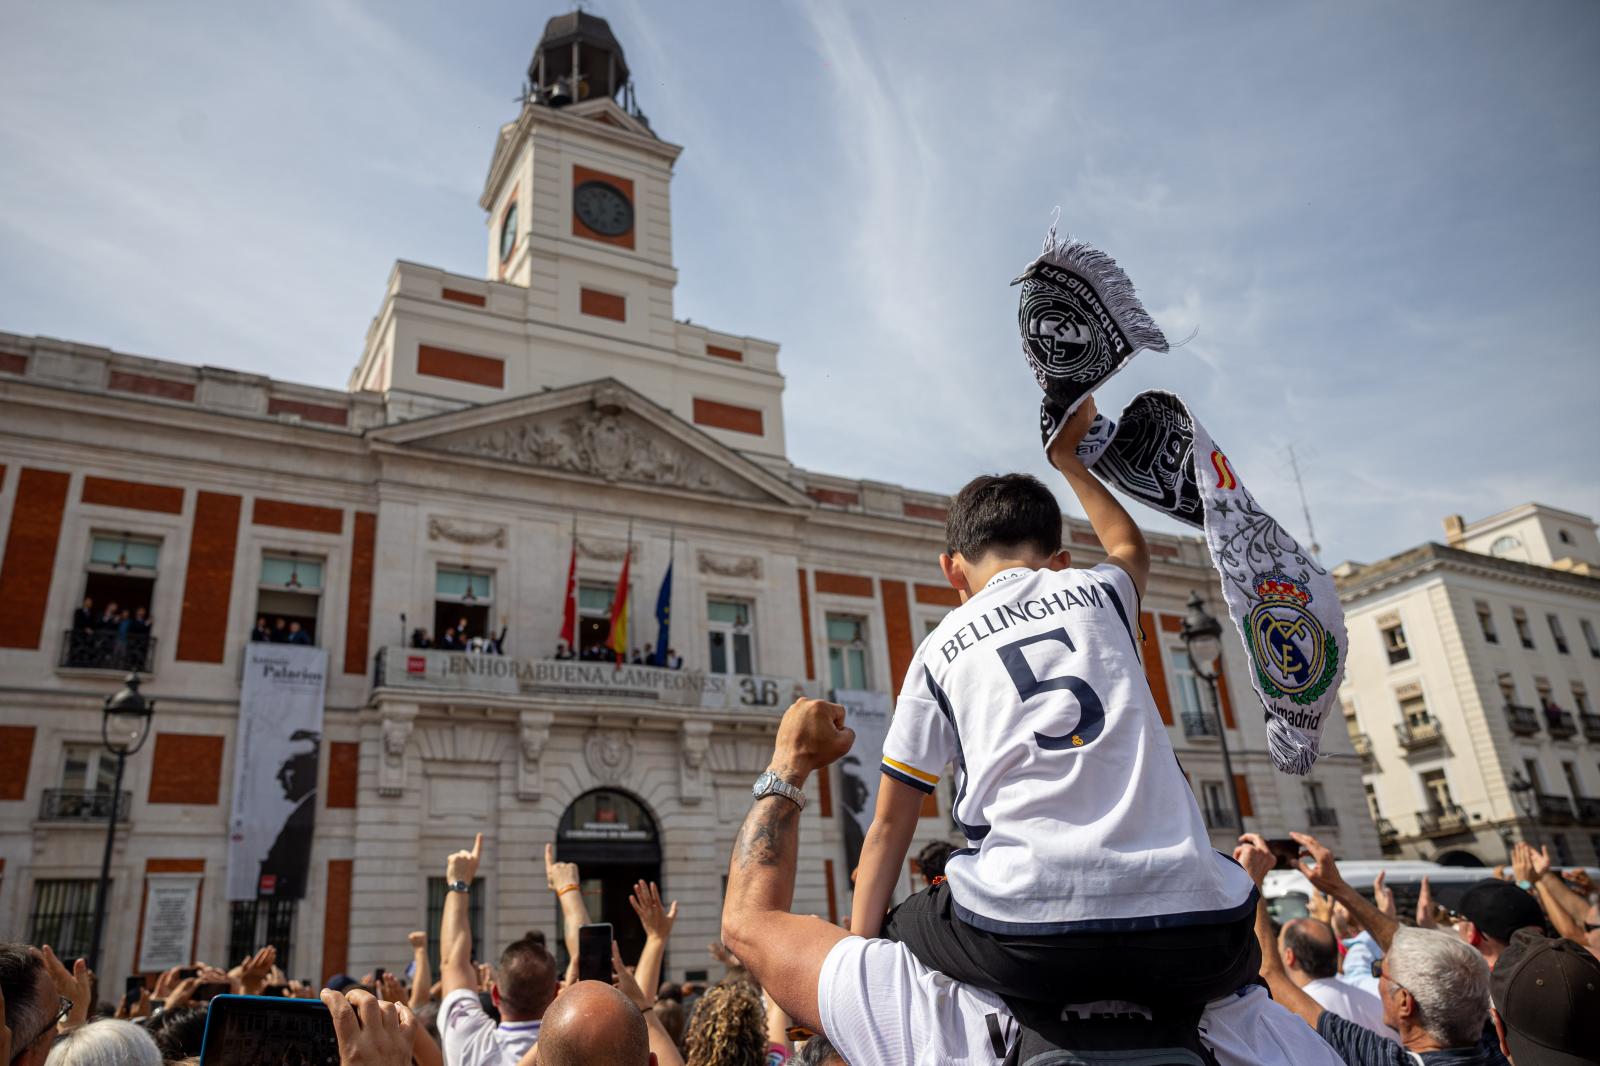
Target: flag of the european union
pixel 663 618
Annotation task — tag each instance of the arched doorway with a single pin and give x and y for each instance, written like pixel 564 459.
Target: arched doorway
pixel 613 839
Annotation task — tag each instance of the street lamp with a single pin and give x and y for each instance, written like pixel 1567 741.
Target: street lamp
pixel 1522 792
pixel 1202 639
pixel 124 726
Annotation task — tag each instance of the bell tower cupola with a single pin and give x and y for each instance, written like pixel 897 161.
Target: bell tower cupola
pixel 578 58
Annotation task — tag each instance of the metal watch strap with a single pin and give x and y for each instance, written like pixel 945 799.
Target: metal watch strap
pixel 770 784
pixel 458 886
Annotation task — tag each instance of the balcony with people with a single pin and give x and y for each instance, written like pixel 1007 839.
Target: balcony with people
pixel 1524 721
pixel 1559 722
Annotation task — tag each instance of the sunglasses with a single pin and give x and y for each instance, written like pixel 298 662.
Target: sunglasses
pixel 65 1009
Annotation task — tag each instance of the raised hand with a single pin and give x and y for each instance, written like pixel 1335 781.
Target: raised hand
pixel 1323 875
pixel 1522 861
pixel 1383 895
pixel 254 971
pixel 390 989
pixel 624 982
pixel 463 865
pixel 646 902
pixel 1425 915
pixel 370 1032
pixel 76 984
pixel 558 875
pixel 720 952
pixel 1541 861
pixel 1065 446
pixel 418 940
pixel 1254 855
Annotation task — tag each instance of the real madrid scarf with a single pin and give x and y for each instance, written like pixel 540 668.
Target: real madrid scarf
pixel 1081 322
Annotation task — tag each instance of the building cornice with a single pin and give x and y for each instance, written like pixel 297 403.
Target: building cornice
pixel 1431 557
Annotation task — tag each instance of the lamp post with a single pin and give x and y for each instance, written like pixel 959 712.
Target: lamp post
pixel 1522 792
pixel 1202 639
pixel 124 725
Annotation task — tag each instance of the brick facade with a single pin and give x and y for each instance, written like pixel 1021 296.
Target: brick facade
pixel 461 366
pixel 344 764
pixel 30 556
pixel 208 581
pixel 303 516
pixel 132 495
pixel 336 918
pixel 363 542
pixel 728 416
pixel 186 768
pixel 16 755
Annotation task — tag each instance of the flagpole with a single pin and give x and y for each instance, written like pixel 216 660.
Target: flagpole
pixel 672 551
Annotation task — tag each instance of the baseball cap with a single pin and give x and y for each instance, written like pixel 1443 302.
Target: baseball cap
pixel 1547 991
pixel 1499 908
pixel 342 982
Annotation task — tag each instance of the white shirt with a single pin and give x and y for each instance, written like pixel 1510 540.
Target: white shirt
pixel 471 1038
pixel 1069 793
pixel 881 1007
pixel 1351 1004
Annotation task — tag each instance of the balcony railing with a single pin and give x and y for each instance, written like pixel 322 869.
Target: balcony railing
pixel 1198 725
pixel 1386 830
pixel 1591 726
pixel 1322 816
pixel 1560 723
pixel 1216 819
pixel 1524 721
pixel 1363 745
pixel 1555 808
pixel 1588 810
pixel 81 805
pixel 104 650
pixel 1415 735
pixel 1452 819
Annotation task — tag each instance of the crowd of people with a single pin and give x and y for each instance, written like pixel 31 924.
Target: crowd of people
pixel 667 659
pixel 112 636
pixel 460 637
pixel 281 631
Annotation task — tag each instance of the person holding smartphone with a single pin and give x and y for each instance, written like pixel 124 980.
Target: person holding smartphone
pixel 523 987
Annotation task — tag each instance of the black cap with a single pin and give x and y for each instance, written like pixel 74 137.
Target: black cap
pixel 1499 909
pixel 1548 994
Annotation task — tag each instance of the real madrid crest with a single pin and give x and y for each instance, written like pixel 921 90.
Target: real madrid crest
pixel 1294 655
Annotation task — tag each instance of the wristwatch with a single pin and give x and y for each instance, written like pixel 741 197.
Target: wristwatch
pixel 459 886
pixel 769 784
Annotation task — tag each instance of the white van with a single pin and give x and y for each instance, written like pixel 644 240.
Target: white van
pixel 1288 893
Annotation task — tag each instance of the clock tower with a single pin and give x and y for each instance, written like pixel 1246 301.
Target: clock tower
pixel 579 279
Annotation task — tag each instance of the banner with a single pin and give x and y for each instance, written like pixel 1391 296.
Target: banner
pixel 167 939
pixel 275 771
pixel 868 714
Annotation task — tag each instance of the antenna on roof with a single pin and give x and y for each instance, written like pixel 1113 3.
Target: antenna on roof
pixel 1305 508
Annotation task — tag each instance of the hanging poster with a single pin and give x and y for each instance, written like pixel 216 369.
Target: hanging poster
pixel 868 714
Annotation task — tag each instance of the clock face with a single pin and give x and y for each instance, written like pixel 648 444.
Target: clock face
pixel 603 208
pixel 508 232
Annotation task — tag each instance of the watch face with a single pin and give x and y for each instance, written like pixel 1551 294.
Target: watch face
pixel 603 208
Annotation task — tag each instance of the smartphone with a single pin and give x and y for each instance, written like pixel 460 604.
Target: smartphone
pixel 1286 851
pixel 187 972
pixel 377 982
pixel 131 989
pixel 211 990
pixel 267 1031
pixel 275 990
pixel 594 952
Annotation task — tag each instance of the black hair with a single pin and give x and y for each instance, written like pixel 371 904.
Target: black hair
pixel 1008 511
pixel 816 1051
pixel 1315 952
pixel 178 1033
pixel 933 857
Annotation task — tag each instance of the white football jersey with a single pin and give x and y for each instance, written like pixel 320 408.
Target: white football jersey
pixel 1076 813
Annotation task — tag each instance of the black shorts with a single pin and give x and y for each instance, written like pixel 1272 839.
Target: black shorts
pixel 1184 966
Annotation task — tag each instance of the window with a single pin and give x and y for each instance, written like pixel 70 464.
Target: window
pixel 1486 623
pixel 462 601
pixel 1437 791
pixel 1185 683
pixel 255 923
pixel 1542 691
pixel 847 651
pixel 1414 709
pixel 288 598
pixel 1531 768
pixel 1394 642
pixel 436 895
pixel 1589 637
pixel 1519 619
pixel 1564 536
pixel 1569 773
pixel 594 616
pixel 111 624
pixel 87 768
pixel 730 636
pixel 1508 687
pixel 1557 634
pixel 1580 698
pixel 1563 851
pixel 1218 809
pixel 1504 547
pixel 1372 802
pixel 63 915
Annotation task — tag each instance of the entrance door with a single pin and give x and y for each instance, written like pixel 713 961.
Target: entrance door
pixel 613 839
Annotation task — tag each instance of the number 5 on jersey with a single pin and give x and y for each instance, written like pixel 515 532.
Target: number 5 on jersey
pixel 1091 713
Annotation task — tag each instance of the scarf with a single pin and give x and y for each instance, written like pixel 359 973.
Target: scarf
pixel 1081 322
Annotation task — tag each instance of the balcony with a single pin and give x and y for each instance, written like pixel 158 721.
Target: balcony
pixel 1363 745
pixel 103 650
pixel 1555 809
pixel 1216 819
pixel 1387 833
pixel 1590 723
pixel 81 805
pixel 573 680
pixel 1199 726
pixel 1322 817
pixel 1414 736
pixel 1588 810
pixel 1524 721
pixel 1561 724
pixel 1452 819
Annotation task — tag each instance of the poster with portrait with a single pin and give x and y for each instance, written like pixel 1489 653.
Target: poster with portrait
pixel 868 714
pixel 275 771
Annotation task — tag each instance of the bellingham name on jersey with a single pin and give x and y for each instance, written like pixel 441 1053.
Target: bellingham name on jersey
pixel 997 620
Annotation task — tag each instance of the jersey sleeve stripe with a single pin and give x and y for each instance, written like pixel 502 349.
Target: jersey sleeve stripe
pixel 910 775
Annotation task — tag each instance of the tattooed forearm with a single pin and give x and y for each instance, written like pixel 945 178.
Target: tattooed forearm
pixel 768 832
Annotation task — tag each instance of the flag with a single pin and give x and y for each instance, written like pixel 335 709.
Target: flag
pixel 569 612
pixel 618 640
pixel 663 619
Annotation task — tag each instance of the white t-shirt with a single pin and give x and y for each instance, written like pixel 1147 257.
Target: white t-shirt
pixel 881 1007
pixel 471 1038
pixel 1351 1004
pixel 1076 813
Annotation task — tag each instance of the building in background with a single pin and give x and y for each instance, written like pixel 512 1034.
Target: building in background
pixel 495 428
pixel 1474 667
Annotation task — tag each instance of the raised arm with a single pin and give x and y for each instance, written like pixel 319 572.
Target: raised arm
pixel 657 922
pixel 1559 901
pixel 661 1045
pixel 455 927
pixel 1119 534
pixel 784 952
pixel 421 969
pixel 1256 858
pixel 562 877
pixel 894 823
pixel 1325 877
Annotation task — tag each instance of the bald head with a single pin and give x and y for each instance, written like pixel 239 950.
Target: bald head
pixel 1308 945
pixel 593 1023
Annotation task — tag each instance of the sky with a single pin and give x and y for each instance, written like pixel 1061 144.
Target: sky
pixel 1380 221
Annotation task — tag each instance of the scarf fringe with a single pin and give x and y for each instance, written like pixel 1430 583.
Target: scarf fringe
pixel 1292 751
pixel 1111 283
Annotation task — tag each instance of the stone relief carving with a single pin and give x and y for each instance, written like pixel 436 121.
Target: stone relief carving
pixel 730 565
pixel 694 741
pixel 601 443
pixel 465 533
pixel 605 550
pixel 392 768
pixel 609 753
pixel 533 734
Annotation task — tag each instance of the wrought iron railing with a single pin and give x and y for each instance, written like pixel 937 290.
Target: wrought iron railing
pixel 1363 745
pixel 103 649
pixel 1591 726
pixel 1198 725
pixel 1322 816
pixel 1414 735
pixel 82 805
pixel 1451 819
pixel 1524 721
pixel 1386 830
pixel 1554 808
pixel 1560 723
pixel 1588 810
